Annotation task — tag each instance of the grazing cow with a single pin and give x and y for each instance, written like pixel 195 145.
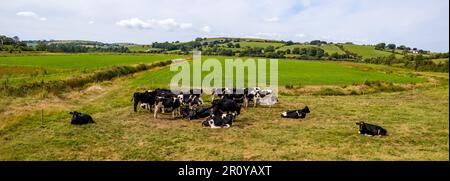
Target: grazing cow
pixel 143 97
pixel 250 96
pixel 220 121
pixel 80 118
pixel 168 102
pixel 296 114
pixel 370 129
pixel 191 114
pixel 149 97
pixel 225 106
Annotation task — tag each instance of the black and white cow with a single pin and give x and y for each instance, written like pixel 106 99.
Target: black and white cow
pixel 168 102
pixel 191 114
pixel 296 114
pixel 219 92
pixel 80 118
pixel 148 98
pixel 220 121
pixel 225 106
pixel 370 129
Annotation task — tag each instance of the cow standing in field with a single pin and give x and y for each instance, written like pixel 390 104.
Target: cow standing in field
pixel 168 102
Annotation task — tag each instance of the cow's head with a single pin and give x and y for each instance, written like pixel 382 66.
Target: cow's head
pixel 208 122
pixel 306 109
pixel 74 113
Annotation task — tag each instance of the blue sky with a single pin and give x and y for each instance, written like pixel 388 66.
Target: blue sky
pixel 415 23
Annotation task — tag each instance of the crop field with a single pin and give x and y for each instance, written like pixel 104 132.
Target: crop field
pixel 417 120
pixel 19 69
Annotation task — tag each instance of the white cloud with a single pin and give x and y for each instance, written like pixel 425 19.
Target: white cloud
pixel 168 24
pixel 300 35
pixel 30 14
pixel 269 35
pixel 206 29
pixel 91 22
pixel 135 23
pixel 272 19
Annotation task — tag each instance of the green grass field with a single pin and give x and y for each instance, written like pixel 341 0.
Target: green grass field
pixel 38 128
pixel 330 49
pixel 259 44
pixel 366 51
pixel 297 72
pixel 59 66
pixel 417 122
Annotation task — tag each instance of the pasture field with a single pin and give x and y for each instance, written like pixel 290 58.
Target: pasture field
pixel 366 51
pixel 417 121
pixel 20 69
pixel 259 44
pixel 301 73
pixel 328 48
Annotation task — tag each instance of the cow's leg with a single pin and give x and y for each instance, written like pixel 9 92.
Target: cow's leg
pixel 245 102
pixel 157 107
pixel 135 105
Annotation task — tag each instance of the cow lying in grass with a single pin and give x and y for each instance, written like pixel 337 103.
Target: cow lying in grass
pixel 220 121
pixel 225 106
pixel 191 114
pixel 80 118
pixel 296 114
pixel 370 129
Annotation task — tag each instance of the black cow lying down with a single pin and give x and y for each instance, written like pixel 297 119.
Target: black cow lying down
pixel 301 113
pixel 220 121
pixel 225 106
pixel 191 114
pixel 80 118
pixel 370 129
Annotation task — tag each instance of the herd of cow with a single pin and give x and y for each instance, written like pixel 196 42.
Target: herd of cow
pixel 225 107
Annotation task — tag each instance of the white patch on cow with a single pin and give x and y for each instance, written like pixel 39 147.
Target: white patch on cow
pixel 212 125
pixel 224 115
pixel 284 114
pixel 227 126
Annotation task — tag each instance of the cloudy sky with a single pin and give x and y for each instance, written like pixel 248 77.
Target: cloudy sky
pixel 415 23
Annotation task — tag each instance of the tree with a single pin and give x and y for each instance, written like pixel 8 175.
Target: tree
pixel 288 51
pixel 237 45
pixel 269 49
pixel 296 50
pixel 380 46
pixel 41 46
pixel 289 43
pixel 16 38
pixel 391 46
